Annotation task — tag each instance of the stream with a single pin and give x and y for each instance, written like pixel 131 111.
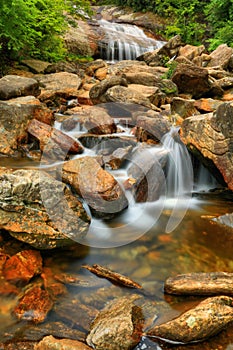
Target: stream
pixel 148 242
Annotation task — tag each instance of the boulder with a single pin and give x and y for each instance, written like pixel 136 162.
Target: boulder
pixel 15 116
pixel 137 67
pixel 95 120
pixel 15 86
pixel 191 79
pixel 98 91
pixel 118 326
pixel 81 39
pixel 146 175
pixel 160 56
pixel 39 210
pixel 211 137
pixel 95 185
pixel 54 143
pixel 111 142
pixel 126 95
pixel 61 84
pixel 183 107
pixel 151 128
pixel 36 66
pixel 221 56
pixel 190 51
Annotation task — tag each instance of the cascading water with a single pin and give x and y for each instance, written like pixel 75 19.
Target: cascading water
pixel 124 42
pixel 179 169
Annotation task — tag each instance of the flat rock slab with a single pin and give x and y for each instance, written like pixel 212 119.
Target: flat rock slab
pixel 205 320
pixel 15 86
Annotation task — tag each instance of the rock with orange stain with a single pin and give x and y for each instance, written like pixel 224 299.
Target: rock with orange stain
pixel 39 210
pixel 51 284
pixel 210 136
pixel 96 186
pixel 34 305
pixel 22 266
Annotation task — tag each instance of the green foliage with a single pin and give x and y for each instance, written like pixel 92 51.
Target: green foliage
pixel 33 27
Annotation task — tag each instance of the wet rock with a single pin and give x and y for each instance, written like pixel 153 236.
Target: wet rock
pixel 109 142
pixel 51 343
pixel 146 175
pixel 15 86
pixel 32 332
pixel 33 210
pixel 226 220
pixel 118 326
pixel 34 305
pixel 97 121
pixel 211 137
pixel 205 320
pixel 98 187
pixel 58 85
pixel 151 128
pixel 21 267
pixel 51 284
pixel 98 91
pixel 75 312
pixel 117 158
pixel 221 56
pixel 15 115
pixel 191 79
pixel 53 142
pixel 213 283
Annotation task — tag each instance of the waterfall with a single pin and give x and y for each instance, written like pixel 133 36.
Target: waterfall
pixel 179 169
pixel 205 181
pixel 124 42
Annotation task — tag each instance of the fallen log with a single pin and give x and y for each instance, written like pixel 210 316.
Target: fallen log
pixel 197 324
pixel 114 277
pixel 213 283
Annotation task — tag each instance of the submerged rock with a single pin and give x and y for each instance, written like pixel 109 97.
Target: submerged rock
pixel 118 326
pixel 39 210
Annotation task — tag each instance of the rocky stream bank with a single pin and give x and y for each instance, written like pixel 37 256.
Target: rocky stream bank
pixel 63 133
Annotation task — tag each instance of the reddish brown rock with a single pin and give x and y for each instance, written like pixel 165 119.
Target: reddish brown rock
pixel 98 187
pixel 23 266
pixel 97 92
pixel 51 138
pixel 151 128
pixel 190 51
pixel 211 137
pixel 15 115
pixel 52 285
pixel 191 79
pixel 34 305
pixel 206 105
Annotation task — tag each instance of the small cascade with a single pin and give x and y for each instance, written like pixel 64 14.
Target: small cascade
pixel 179 169
pixel 124 42
pixel 205 181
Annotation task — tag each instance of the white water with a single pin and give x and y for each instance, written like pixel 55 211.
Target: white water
pixel 124 42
